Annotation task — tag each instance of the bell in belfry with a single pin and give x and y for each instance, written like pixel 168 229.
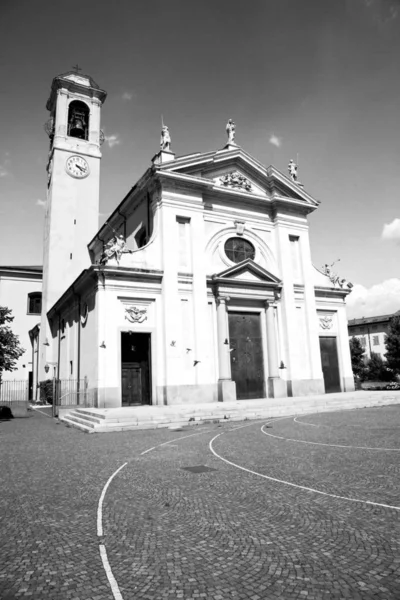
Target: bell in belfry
pixel 77 128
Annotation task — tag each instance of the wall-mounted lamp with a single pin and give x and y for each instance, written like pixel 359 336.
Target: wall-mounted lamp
pixel 46 342
pixel 188 350
pixel 226 341
pixel 173 343
pixel 103 345
pixel 282 365
pixel 47 368
pixel 196 362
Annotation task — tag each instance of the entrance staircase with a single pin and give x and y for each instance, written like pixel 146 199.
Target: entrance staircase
pixel 104 420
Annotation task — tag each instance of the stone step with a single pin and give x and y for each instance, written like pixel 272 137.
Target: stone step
pixel 77 424
pixel 89 411
pixel 86 416
pixel 151 417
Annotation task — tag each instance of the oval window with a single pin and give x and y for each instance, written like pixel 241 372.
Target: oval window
pixel 238 249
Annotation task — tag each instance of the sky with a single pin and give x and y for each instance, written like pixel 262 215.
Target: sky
pixel 317 80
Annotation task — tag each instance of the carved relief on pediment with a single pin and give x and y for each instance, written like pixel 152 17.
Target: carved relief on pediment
pixel 236 180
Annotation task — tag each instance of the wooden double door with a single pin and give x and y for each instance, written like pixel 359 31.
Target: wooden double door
pixel 135 368
pixel 247 363
pixel 330 364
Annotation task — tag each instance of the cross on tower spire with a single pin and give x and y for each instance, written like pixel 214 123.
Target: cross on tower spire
pixel 77 68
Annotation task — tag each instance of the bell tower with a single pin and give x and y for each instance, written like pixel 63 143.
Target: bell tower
pixel 73 182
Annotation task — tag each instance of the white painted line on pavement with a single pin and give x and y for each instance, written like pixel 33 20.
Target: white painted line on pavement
pixel 329 445
pixel 305 423
pixel 295 485
pixel 43 413
pixel 175 440
pixel 100 506
pixel 103 553
pixel 109 573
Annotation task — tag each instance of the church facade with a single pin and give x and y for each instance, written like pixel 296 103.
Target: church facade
pixel 199 287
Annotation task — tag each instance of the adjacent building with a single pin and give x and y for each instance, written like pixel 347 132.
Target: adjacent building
pixel 21 291
pixel 371 331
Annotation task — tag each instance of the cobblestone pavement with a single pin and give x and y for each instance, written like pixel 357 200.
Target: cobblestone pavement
pixel 220 534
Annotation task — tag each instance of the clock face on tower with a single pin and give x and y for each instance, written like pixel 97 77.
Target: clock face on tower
pixel 76 166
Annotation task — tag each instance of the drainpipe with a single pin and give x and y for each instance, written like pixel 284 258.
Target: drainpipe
pixel 37 364
pixel 57 386
pixel 78 361
pixel 59 346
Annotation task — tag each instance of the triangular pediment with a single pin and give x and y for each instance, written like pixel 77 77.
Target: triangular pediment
pixel 234 170
pixel 247 271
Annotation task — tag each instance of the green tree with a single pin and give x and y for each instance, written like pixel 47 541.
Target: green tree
pixel 377 369
pixel 10 348
pixel 393 345
pixel 357 358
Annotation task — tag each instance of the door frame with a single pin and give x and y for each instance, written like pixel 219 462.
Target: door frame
pixel 152 362
pixel 334 335
pixel 240 308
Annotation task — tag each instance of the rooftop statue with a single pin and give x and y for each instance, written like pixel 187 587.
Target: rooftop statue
pixel 115 248
pixel 292 170
pixel 165 142
pixel 230 130
pixel 336 279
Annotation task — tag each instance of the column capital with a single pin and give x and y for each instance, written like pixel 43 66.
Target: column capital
pixel 270 304
pixel 222 299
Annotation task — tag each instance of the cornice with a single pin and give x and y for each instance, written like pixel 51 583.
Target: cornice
pixel 60 83
pixel 134 274
pixel 326 292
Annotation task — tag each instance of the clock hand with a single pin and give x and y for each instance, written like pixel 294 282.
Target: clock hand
pixel 81 168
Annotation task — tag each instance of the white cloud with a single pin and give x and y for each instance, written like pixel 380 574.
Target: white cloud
pixel 4 166
pixel 380 299
pixel 40 202
pixel 391 231
pixel 112 140
pixel 127 96
pixel 275 140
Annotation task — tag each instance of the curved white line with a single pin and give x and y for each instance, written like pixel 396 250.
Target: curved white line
pixel 295 485
pixel 100 506
pixel 113 583
pixel 103 553
pixel 305 423
pixel 278 437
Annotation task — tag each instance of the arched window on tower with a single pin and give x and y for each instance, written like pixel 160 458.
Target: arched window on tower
pixel 78 120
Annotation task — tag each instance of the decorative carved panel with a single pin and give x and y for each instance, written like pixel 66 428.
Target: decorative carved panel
pixel 134 314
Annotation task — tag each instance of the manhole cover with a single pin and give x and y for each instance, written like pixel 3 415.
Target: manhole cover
pixel 198 469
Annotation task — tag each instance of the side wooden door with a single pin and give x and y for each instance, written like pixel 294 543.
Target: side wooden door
pixel 330 364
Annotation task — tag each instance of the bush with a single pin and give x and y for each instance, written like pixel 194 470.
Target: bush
pixel 377 369
pixel 46 391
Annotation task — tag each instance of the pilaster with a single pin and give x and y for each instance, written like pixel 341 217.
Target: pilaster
pixel 277 387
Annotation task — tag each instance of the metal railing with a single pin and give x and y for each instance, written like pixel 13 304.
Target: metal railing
pixel 71 393
pixel 14 391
